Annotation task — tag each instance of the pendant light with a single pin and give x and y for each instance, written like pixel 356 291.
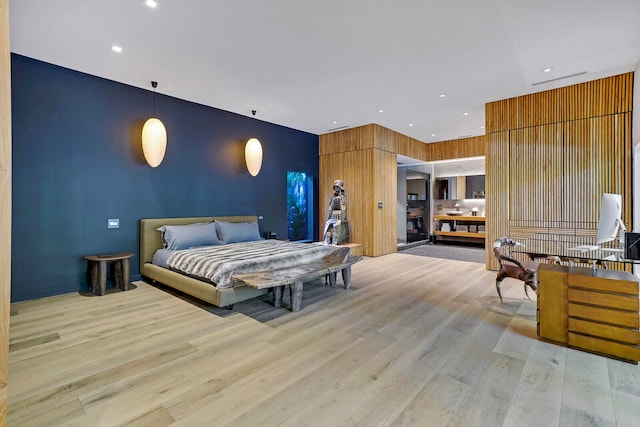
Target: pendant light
pixel 154 137
pixel 253 154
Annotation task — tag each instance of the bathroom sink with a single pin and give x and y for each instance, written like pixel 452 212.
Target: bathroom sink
pixel 455 213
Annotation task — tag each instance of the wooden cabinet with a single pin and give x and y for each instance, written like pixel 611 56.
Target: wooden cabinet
pixel 470 223
pixel 593 310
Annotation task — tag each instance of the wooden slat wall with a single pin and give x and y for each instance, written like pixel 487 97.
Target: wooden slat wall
pixel 410 147
pixel 389 140
pixel 5 203
pixel 564 148
pixel 535 174
pixel 386 139
pixel 497 192
pixel 457 148
pixel 347 140
pixel 603 97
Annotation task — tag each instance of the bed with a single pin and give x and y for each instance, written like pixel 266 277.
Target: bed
pixel 162 255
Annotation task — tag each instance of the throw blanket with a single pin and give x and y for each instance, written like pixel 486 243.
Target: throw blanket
pixel 218 263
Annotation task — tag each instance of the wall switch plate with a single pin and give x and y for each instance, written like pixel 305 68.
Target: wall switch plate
pixel 260 217
pixel 113 223
pixel 380 205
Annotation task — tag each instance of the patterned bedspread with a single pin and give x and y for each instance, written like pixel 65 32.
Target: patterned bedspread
pixel 218 263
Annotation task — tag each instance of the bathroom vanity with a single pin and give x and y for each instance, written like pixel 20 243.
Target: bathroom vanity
pixel 462 227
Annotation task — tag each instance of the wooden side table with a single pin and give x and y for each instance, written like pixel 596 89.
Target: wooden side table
pixel 98 271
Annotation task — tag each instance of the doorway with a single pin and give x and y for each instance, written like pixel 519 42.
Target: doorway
pixel 451 185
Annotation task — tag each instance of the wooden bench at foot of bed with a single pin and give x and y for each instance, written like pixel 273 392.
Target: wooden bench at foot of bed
pixel 295 277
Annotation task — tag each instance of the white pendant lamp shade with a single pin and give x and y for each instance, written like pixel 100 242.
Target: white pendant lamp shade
pixel 253 156
pixel 154 141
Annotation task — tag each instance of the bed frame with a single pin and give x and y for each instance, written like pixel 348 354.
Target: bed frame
pixel 150 242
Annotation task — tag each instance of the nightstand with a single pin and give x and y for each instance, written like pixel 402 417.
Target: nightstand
pixel 98 271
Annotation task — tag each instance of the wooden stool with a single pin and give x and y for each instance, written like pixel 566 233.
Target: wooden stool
pixel 98 271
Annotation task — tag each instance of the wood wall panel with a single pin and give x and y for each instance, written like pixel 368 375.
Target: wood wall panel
pixel 564 148
pixel 410 147
pixel 497 192
pixel 496 116
pixel 359 138
pixel 598 160
pixel 385 177
pixel 370 176
pixel 346 166
pixel 354 169
pixel 535 174
pixel 456 149
pixel 441 150
pixel 386 139
pixel 603 97
pixel 558 173
pixel 5 203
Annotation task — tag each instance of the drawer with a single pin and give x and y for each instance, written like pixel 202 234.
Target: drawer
pixel 613 281
pixel 629 319
pixel 621 302
pixel 602 346
pixel 616 333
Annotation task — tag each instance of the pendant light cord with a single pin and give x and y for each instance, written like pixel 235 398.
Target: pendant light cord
pixel 253 124
pixel 154 85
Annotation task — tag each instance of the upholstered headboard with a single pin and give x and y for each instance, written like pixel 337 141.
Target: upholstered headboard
pixel 151 240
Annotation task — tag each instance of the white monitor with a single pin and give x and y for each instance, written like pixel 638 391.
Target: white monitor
pixel 610 219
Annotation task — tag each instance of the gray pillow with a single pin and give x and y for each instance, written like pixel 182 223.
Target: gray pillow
pixel 234 232
pixel 175 237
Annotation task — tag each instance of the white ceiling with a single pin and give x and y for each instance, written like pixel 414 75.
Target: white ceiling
pixel 307 63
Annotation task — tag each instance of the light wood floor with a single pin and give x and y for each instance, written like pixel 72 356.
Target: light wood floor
pixel 415 341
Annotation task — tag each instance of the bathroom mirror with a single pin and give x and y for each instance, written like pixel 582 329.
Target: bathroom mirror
pixel 460 187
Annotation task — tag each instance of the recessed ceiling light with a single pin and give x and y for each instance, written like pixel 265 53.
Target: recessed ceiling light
pixel 116 48
pixel 481 127
pixel 380 111
pixel 410 124
pixel 334 122
pixel 547 70
pixel 151 3
pixel 442 95
pixel 466 114
pixel 433 134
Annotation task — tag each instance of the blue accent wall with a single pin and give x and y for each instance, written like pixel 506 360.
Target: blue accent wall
pixel 77 161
